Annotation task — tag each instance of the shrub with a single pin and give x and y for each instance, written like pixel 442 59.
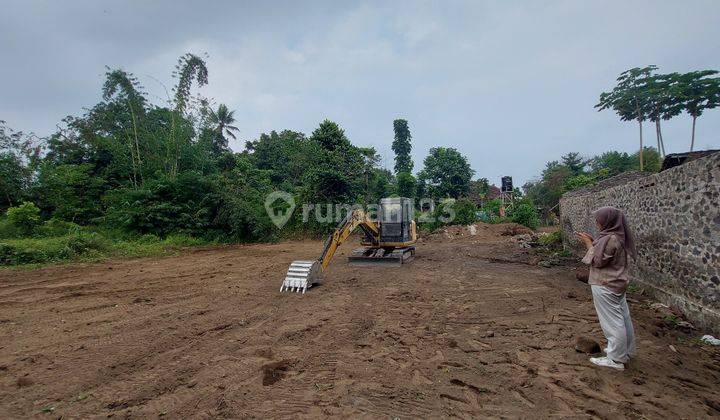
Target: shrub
pixel 55 227
pixel 551 239
pixel 24 217
pixel 7 229
pixel 526 215
pixel 406 185
pixel 492 207
pixel 82 243
pixel 465 212
pixel 33 251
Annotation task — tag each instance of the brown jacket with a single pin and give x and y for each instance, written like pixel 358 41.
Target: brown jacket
pixel 611 271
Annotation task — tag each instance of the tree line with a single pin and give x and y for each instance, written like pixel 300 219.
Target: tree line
pixel 573 171
pixel 132 167
pixel 641 94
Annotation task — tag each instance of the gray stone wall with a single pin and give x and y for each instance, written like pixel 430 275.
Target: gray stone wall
pixel 675 216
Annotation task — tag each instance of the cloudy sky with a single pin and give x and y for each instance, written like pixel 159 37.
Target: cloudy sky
pixel 511 84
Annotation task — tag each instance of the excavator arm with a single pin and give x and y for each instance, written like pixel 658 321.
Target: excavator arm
pixel 356 218
pixel 302 274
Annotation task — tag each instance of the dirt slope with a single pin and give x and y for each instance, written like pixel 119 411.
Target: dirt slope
pixel 467 329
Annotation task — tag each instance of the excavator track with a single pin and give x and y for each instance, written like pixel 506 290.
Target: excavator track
pixel 381 256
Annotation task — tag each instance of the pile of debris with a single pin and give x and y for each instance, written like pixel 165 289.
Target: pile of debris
pixel 482 229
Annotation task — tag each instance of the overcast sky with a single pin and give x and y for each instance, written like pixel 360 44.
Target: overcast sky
pixel 510 84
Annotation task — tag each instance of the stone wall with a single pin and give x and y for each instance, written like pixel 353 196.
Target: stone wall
pixel 675 215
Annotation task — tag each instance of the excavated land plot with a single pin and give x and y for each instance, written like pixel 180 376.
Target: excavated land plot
pixel 467 329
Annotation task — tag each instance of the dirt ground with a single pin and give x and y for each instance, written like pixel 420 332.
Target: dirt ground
pixel 467 329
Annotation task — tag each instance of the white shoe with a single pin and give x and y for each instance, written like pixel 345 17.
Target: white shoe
pixel 604 361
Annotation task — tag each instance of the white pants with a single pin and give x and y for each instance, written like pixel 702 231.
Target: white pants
pixel 614 316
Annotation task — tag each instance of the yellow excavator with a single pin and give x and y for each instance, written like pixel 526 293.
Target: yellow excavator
pixel 389 240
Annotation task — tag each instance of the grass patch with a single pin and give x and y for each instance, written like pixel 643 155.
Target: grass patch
pixel 88 246
pixel 551 240
pixel 671 321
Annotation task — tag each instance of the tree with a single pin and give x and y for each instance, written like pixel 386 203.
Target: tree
pixel 446 173
pixel 610 164
pixel 25 217
pixel 465 212
pixel 370 161
pixel 574 162
pixel 129 94
pixel 406 185
pixel 662 104
pixel 653 160
pixel 697 91
pixel 222 121
pixel 126 87
pixel 330 136
pixel 189 67
pixel 478 191
pixel 629 99
pixel 524 213
pixel 71 192
pixel 402 147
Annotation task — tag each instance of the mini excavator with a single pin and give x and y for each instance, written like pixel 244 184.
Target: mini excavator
pixel 388 241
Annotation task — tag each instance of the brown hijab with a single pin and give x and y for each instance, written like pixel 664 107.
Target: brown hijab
pixel 612 221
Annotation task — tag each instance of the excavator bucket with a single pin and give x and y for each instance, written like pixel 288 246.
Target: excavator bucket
pixel 300 276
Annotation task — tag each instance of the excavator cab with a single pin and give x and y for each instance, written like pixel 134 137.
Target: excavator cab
pixel 389 239
pixel 396 218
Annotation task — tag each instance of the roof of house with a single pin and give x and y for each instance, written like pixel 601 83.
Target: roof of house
pixel 676 159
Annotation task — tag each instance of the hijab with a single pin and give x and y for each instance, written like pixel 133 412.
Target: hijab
pixel 612 221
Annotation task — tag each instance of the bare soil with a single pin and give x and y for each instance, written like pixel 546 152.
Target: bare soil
pixel 467 329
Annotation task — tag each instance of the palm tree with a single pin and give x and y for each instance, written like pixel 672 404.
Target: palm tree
pixel 222 120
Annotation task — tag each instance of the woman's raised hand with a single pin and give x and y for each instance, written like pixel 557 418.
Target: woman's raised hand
pixel 585 238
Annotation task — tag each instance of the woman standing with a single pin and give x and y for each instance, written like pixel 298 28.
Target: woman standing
pixel 607 256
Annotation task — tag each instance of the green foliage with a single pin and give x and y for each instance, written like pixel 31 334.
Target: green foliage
pixel 574 163
pixel 8 230
pixel 641 94
pixel 465 212
pixel 19 154
pixel 612 163
pixel 330 136
pixel 402 147
pixel 406 185
pixel 452 212
pixel 14 178
pixel 559 178
pixel 578 181
pixel 492 207
pixel 71 192
pixel 222 126
pixel 87 246
pixel 479 190
pixel 287 156
pixel 189 67
pixel 24 217
pixel 446 173
pixel 651 157
pixel 187 204
pixel 524 213
pixel 56 227
pixel 551 240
